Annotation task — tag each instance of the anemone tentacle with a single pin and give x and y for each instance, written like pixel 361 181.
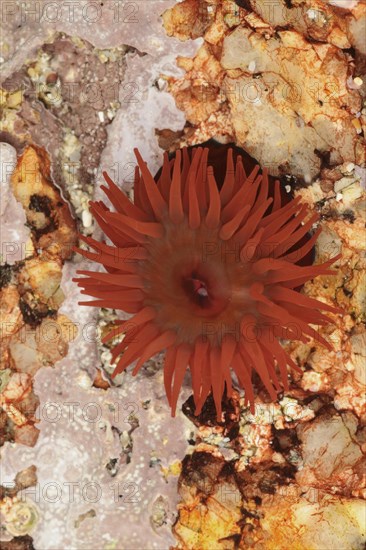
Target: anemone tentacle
pixel 211 275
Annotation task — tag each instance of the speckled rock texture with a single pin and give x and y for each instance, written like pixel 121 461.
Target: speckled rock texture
pixel 92 463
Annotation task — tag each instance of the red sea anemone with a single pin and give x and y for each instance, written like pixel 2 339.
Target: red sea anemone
pixel 210 275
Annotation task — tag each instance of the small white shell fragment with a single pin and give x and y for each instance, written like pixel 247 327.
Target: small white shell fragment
pixel 349 167
pixel 343 183
pixel 84 381
pixel 251 66
pixel 86 218
pixel 312 14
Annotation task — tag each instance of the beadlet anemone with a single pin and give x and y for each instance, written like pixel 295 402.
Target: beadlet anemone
pixel 211 272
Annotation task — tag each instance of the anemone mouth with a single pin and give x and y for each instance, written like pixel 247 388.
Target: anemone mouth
pixel 210 276
pixel 206 295
pixel 202 292
pixel 198 289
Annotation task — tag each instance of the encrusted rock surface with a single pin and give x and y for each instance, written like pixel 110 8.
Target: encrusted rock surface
pixel 31 294
pixel 290 93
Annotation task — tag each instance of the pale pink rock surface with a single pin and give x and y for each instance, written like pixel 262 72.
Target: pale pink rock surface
pixel 14 235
